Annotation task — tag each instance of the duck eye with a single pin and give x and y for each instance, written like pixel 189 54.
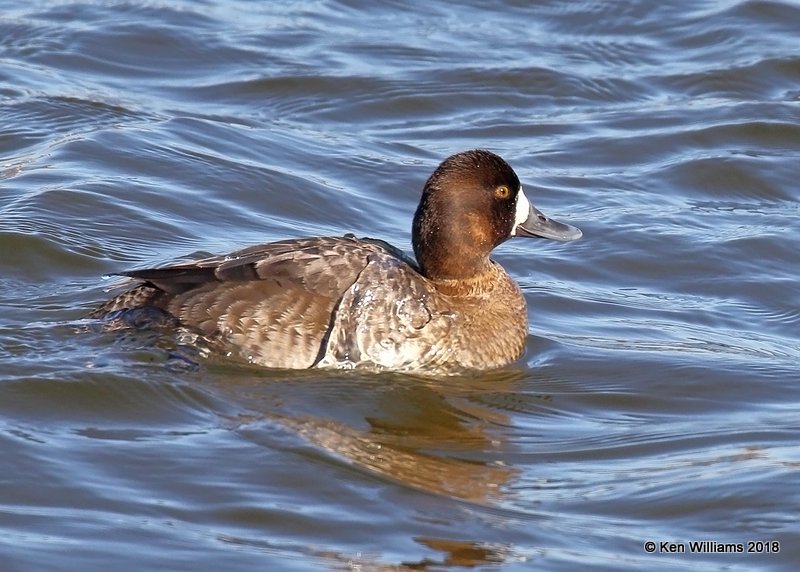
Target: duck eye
pixel 502 192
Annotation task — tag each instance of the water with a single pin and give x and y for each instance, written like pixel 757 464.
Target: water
pixel 659 396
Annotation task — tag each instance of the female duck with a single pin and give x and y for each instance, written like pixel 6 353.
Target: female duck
pixel 346 302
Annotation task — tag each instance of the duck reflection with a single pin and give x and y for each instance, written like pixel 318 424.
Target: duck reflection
pixel 436 435
pixel 459 553
pixel 441 436
pixel 456 554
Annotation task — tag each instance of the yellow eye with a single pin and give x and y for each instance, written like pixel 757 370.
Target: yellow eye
pixel 502 192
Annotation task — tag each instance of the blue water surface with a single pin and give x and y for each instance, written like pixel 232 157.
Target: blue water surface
pixel 657 401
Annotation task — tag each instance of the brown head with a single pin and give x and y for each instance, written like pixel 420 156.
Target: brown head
pixel 470 204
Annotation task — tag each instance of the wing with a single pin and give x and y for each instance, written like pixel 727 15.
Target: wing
pixel 321 265
pixel 275 302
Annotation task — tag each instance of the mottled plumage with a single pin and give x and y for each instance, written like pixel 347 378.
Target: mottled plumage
pixel 348 302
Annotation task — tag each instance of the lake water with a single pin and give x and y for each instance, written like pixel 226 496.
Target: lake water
pixel 659 398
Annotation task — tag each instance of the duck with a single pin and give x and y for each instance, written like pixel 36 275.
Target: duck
pixel 344 302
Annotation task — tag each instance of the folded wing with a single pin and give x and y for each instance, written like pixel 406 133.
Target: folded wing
pixel 275 302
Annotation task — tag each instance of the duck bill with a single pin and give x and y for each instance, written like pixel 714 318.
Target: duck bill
pixel 531 222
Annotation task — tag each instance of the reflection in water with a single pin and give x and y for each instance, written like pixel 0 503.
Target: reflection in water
pixel 427 434
pixel 458 553
pixel 405 461
pixel 433 435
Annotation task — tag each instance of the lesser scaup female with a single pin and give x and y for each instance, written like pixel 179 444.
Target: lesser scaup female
pixel 348 302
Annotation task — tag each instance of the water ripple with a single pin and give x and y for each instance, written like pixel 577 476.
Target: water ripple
pixel 658 395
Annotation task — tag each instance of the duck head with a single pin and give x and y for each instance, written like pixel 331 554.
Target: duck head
pixel 470 204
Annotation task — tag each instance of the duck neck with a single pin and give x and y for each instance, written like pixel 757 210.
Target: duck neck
pixel 450 248
pixel 443 259
pixel 450 262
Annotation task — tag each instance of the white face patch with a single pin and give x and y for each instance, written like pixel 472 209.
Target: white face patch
pixel 522 211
